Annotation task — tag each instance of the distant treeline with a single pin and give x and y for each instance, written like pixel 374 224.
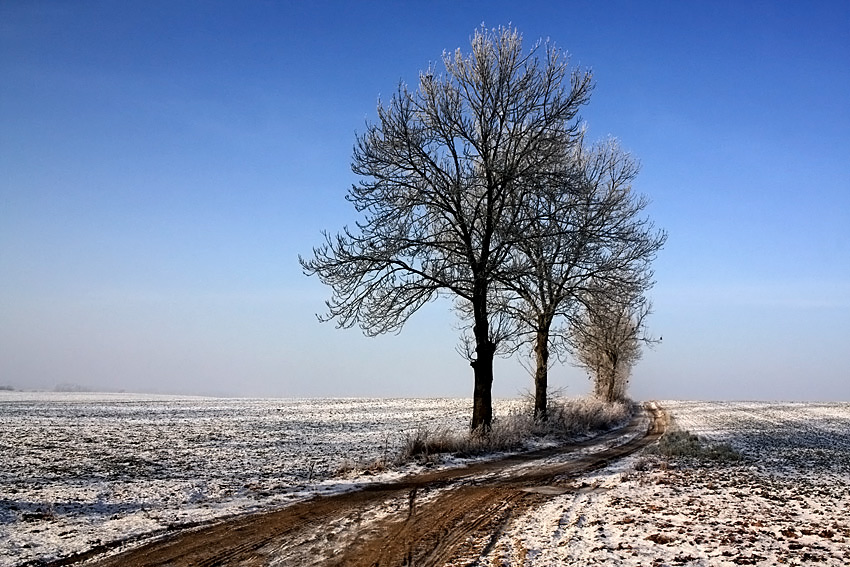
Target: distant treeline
pixel 69 387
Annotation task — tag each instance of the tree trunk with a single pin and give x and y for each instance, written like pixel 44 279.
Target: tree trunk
pixel 482 399
pixel 541 373
pixel 611 389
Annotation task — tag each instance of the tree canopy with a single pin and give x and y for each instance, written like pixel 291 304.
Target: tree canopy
pixel 447 172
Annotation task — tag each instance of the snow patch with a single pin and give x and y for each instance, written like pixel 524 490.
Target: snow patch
pixel 788 502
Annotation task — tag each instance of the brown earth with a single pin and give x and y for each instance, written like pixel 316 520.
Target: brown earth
pixel 439 518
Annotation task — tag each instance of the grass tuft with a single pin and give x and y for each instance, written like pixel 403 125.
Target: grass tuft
pixel 567 419
pixel 680 443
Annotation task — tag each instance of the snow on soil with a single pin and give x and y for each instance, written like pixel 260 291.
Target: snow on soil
pixel 787 502
pixel 80 470
pixel 77 470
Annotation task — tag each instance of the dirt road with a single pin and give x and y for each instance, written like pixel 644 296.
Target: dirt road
pixel 445 517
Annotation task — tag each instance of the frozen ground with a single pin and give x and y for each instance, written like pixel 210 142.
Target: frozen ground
pixel 787 502
pixel 79 470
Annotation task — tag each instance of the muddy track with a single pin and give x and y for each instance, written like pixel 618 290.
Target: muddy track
pixel 430 519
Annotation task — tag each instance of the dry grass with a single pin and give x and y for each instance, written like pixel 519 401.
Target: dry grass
pixel 571 418
pixel 680 443
pixel 567 419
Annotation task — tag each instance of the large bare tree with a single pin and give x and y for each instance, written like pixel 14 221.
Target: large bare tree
pixel 587 240
pixel 446 174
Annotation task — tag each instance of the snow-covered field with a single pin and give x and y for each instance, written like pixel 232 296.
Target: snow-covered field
pixel 787 502
pixel 79 470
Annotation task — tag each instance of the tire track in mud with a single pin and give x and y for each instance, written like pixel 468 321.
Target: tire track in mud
pixel 445 517
pixel 464 522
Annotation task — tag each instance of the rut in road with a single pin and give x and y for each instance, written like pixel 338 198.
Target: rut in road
pixel 428 520
pixel 464 521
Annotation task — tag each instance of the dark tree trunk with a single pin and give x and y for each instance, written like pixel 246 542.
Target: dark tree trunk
pixel 541 373
pixel 612 392
pixel 482 399
pixel 611 382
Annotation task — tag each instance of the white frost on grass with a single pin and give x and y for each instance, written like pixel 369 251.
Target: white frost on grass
pixel 786 503
pixel 81 470
pixel 77 470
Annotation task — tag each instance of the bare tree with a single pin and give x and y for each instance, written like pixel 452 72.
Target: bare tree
pixel 446 172
pixel 606 340
pixel 587 236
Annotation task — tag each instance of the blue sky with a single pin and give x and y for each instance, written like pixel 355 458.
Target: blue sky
pixel 162 164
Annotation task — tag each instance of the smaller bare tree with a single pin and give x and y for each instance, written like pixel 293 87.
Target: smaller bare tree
pixel 605 339
pixel 588 240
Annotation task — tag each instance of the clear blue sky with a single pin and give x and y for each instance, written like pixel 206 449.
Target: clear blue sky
pixel 162 164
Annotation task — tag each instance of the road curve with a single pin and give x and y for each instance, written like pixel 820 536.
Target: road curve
pixel 430 519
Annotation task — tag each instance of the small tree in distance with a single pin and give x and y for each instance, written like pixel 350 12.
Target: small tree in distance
pixel 605 339
pixel 447 173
